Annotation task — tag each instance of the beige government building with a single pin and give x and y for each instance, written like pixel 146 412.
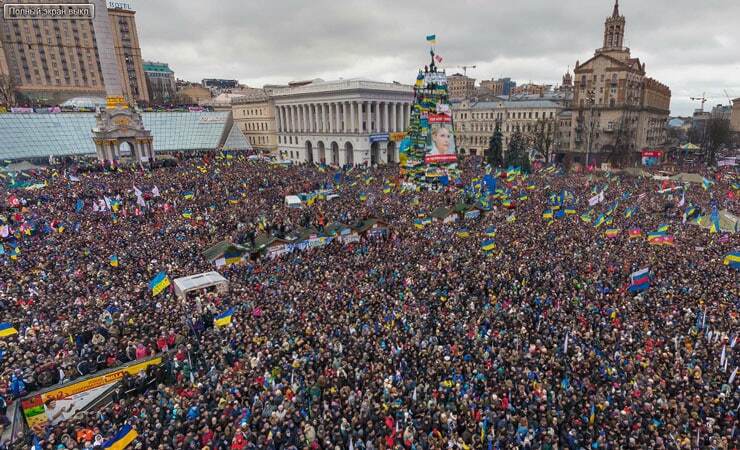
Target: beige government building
pixel 254 114
pixel 52 61
pixel 617 110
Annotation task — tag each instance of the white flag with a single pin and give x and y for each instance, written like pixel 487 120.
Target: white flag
pixel 137 192
pixel 722 356
pixel 565 347
pixel 596 199
pixel 140 200
pixel 155 191
pixel 107 203
pixel 683 199
pixel 732 377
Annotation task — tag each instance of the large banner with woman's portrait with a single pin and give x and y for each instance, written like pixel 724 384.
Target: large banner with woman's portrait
pixel 440 140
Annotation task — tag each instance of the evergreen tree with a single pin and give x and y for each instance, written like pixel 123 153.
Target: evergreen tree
pixel 494 155
pixel 517 152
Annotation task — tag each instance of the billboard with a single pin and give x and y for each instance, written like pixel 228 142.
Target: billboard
pixel 63 402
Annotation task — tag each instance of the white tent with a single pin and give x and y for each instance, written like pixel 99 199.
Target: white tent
pixel 199 282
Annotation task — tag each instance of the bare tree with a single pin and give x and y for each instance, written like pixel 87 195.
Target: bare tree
pixel 7 90
pixel 624 135
pixel 718 134
pixel 543 136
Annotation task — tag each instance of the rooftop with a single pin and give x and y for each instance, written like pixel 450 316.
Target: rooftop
pixel 40 135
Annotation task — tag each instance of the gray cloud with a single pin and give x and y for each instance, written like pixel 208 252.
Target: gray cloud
pixel 691 47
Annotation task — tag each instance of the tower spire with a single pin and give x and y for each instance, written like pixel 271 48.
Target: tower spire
pixel 616 9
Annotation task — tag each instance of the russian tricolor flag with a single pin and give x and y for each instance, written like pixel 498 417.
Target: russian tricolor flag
pixel 640 280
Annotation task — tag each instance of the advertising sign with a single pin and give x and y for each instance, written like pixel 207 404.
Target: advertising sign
pixel 397 136
pixel 21 110
pixel 65 401
pixel 113 102
pixel 439 118
pixel 379 137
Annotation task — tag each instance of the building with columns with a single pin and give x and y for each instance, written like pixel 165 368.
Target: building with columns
pixel 342 122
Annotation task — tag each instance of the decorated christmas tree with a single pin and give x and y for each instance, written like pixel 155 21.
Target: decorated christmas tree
pixel 428 150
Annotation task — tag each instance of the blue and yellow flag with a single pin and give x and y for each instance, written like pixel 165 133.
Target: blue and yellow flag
pixel 547 215
pixel 663 228
pixel 630 212
pixel 488 245
pixel 463 233
pixel 569 210
pixel 159 283
pixel 732 260
pixel 114 261
pixel 188 195
pixel 122 439
pixel 187 213
pixel 419 224
pixel 600 221
pixel 714 221
pixel 432 39
pixel 490 231
pixel 232 257
pixel 224 319
pixel 6 329
pixel 706 184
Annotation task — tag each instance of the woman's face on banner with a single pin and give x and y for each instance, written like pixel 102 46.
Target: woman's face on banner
pixel 442 140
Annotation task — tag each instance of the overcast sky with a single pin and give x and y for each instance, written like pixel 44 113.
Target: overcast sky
pixel 691 46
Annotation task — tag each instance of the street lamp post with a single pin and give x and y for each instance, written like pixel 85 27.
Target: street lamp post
pixel 590 99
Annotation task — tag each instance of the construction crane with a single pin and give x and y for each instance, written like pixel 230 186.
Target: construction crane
pixel 465 69
pixel 703 100
pixel 729 99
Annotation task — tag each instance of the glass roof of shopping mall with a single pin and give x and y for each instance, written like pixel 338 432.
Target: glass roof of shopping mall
pixel 40 135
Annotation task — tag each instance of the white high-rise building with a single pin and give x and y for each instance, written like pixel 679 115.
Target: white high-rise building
pixel 342 122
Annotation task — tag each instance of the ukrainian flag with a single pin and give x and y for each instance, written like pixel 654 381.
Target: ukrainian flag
pixel 732 260
pixel 663 228
pixel 488 245
pixel 630 212
pixel 224 319
pixel 188 214
pixel 547 214
pixel 463 233
pixel 599 221
pixel 387 189
pixel 159 283
pixel 523 197
pixel 114 261
pixel 363 197
pixel 233 200
pixel 706 184
pixel 122 439
pixel 15 253
pixel 188 195
pixel 232 257
pixel 6 329
pixel 511 218
pixel 491 231
pixel 586 217
pixel 570 211
pixel 432 39
pixel 419 224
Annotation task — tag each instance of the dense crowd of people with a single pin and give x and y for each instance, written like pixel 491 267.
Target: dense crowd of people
pixel 418 341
